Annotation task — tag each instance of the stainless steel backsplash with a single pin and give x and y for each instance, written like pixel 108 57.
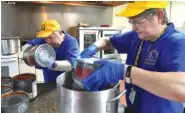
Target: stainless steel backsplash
pixel 25 19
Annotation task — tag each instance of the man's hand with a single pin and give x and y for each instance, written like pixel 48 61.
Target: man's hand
pixel 109 72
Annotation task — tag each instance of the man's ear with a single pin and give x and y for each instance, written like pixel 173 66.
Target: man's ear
pixel 60 32
pixel 161 16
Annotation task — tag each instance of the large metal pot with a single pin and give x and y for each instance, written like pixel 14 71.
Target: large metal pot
pixel 74 101
pixel 9 45
pixel 39 55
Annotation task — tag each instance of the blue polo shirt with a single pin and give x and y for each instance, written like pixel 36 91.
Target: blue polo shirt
pixel 67 51
pixel 164 55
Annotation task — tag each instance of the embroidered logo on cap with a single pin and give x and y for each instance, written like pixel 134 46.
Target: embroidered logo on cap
pixel 42 27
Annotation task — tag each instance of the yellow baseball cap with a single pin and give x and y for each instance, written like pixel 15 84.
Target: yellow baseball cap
pixel 137 7
pixel 47 28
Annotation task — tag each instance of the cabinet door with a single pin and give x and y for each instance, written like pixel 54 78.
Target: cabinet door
pixel 88 37
pixel 24 68
pixel 40 77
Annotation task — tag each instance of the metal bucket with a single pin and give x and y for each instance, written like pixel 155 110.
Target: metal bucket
pixel 39 55
pixel 26 82
pixel 15 102
pixel 6 89
pixel 73 101
pixel 6 81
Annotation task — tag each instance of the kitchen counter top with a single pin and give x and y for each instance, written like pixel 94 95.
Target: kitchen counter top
pixel 46 101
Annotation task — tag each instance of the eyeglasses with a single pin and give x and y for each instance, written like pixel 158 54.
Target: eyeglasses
pixel 146 15
pixel 134 22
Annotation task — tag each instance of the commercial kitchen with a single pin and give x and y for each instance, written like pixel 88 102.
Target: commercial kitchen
pixel 87 21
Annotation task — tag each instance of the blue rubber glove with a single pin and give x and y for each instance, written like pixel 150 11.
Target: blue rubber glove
pixel 89 52
pixel 109 72
pixel 73 62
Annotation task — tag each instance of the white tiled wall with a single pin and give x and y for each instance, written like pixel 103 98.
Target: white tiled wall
pixel 177 16
pixel 39 75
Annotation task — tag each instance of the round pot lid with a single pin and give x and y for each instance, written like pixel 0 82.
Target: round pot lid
pixel 45 55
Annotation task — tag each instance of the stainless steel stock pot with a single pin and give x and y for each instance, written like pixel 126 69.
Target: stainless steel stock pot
pixel 9 45
pixel 72 100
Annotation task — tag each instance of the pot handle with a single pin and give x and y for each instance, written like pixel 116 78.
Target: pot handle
pixel 114 99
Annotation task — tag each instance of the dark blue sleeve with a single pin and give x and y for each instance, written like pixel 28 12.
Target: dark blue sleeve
pixel 122 41
pixel 174 53
pixel 36 41
pixel 72 50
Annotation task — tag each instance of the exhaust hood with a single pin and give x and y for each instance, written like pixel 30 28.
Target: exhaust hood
pixel 79 3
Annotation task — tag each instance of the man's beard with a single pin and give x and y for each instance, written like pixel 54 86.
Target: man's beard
pixel 55 45
pixel 149 38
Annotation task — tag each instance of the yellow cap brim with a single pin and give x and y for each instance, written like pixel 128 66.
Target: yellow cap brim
pixel 130 12
pixel 43 34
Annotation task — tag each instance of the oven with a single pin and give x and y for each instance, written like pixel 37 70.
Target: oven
pixel 9 65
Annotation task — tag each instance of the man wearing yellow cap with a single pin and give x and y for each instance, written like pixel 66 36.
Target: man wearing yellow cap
pixel 155 69
pixel 65 46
